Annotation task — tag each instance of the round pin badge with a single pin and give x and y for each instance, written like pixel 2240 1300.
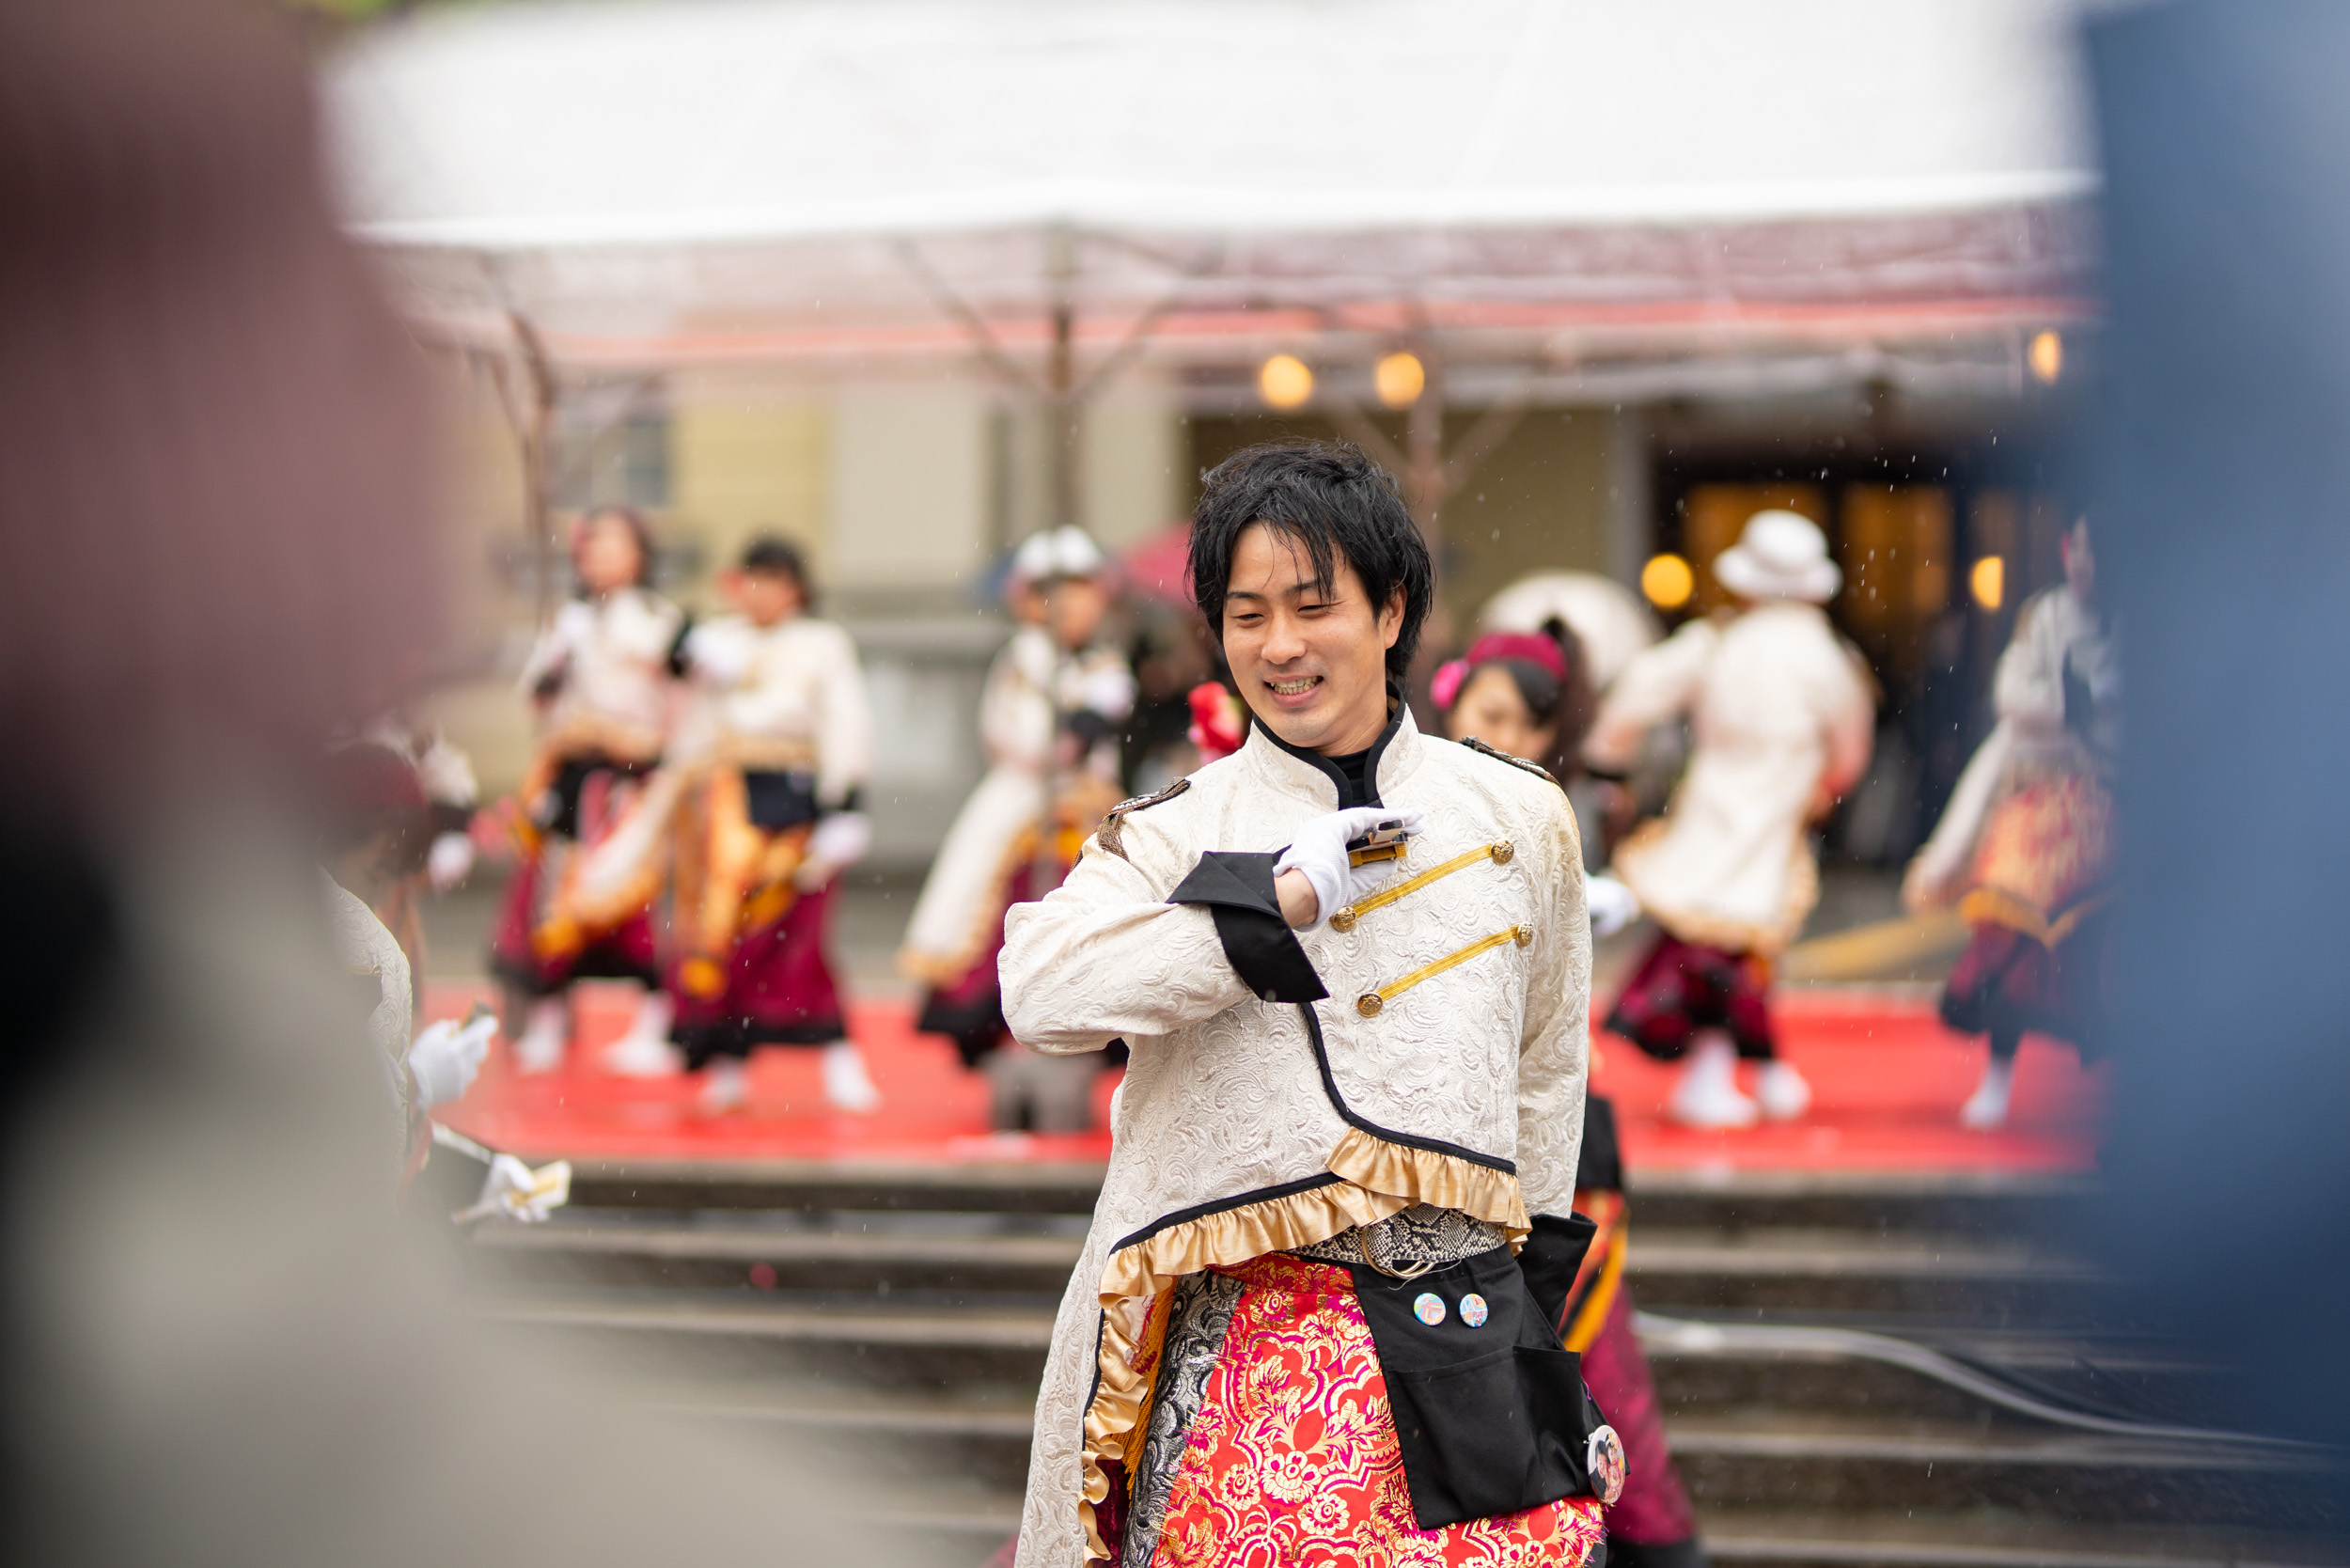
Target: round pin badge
pixel 1604 1460
pixel 1429 1308
pixel 1474 1311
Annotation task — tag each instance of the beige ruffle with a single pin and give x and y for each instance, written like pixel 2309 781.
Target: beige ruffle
pixel 1381 1179
pixel 1440 1181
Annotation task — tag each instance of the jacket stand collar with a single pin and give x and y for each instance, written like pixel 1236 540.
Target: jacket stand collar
pixel 1394 755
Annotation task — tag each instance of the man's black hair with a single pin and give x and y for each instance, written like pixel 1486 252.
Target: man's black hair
pixel 778 555
pixel 1335 503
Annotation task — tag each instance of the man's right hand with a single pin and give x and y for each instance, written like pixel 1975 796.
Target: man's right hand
pixel 1317 857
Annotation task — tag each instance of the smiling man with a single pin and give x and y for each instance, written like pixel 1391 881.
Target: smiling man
pixel 1303 1327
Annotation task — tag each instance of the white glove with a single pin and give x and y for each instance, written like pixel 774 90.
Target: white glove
pixel 1319 850
pixel 1108 691
pixel 444 1058
pixel 449 861
pixel 575 625
pixel 719 654
pixel 1611 905
pixel 838 842
pixel 514 1191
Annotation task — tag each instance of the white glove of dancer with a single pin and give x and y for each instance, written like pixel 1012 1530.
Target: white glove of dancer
pixel 1319 850
pixel 449 861
pixel 446 1055
pixel 720 655
pixel 1109 692
pixel 838 842
pixel 1611 905
pixel 514 1191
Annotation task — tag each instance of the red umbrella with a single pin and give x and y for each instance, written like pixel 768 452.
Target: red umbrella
pixel 1160 566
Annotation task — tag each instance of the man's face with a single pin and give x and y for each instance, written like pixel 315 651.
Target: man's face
pixel 1312 664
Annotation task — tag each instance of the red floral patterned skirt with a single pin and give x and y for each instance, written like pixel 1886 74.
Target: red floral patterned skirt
pixel 1292 1459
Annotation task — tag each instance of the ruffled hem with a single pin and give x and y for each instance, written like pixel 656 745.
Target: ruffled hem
pixel 1379 1179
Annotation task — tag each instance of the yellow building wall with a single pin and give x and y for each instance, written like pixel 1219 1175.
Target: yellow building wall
pixel 737 471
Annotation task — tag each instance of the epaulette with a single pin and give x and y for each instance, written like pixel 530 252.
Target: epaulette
pixel 1535 768
pixel 1113 824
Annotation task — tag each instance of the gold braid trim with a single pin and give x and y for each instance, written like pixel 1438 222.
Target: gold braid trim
pixel 1382 1179
pixel 1995 907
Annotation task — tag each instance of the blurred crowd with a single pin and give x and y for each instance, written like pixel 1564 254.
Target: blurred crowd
pixel 696 793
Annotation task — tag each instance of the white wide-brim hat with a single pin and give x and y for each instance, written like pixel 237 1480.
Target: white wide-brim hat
pixel 1781 554
pixel 1067 550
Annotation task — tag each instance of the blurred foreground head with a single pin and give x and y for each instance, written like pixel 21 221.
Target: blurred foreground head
pixel 215 1345
pixel 213 514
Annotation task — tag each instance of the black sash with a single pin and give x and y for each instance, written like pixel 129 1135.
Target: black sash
pixel 1493 1417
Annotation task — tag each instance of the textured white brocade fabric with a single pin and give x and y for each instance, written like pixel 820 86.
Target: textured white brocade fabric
pixel 1223 1097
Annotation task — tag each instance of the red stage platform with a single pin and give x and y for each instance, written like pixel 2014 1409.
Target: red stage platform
pixel 1886 1078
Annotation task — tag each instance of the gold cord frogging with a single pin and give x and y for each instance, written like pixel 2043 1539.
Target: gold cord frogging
pixel 1372 1003
pixel 1500 850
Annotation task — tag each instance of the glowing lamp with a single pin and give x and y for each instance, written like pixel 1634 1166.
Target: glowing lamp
pixel 1284 381
pixel 1667 581
pixel 1987 582
pixel 2045 355
pixel 1398 379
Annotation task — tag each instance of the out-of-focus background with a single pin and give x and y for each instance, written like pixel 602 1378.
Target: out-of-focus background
pixel 906 283
pixel 803 267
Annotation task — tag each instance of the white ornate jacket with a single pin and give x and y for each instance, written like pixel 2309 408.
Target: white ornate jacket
pixel 1445 1064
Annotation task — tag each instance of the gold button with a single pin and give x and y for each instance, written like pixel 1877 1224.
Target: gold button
pixel 1522 934
pixel 1369 1004
pixel 1343 919
pixel 1504 852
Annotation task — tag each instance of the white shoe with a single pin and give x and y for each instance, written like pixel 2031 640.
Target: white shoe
pixel 540 1048
pixel 846 1083
pixel 645 1051
pixel 1707 1095
pixel 635 1056
pixel 726 1085
pixel 1987 1110
pixel 1781 1092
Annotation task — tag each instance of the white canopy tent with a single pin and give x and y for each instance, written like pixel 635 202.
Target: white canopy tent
pixel 1570 198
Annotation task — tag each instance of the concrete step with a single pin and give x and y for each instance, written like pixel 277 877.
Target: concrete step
pixel 1988 1537
pixel 1776 1267
pixel 1820 1464
pixel 673 1334
pixel 834 1251
pixel 1991 1203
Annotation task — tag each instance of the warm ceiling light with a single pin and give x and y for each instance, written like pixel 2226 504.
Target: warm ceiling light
pixel 1667 581
pixel 1284 382
pixel 2046 357
pixel 1987 582
pixel 1398 379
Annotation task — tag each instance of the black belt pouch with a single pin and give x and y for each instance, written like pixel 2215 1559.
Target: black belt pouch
pixel 1492 1418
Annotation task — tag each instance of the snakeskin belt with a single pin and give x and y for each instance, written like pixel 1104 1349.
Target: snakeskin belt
pixel 1409 1244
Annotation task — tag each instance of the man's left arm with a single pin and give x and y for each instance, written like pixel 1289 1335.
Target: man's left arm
pixel 1554 1058
pixel 1554 1053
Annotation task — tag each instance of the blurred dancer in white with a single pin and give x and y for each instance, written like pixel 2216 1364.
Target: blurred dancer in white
pixel 1054 700
pixel 599 680
pixel 2028 838
pixel 771 761
pixel 1780 711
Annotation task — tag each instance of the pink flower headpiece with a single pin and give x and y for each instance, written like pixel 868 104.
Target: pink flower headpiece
pixel 1532 647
